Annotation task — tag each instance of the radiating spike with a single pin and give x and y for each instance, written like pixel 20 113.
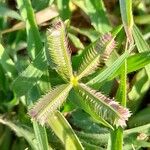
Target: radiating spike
pixel 96 55
pixel 105 107
pixel 49 103
pixel 58 50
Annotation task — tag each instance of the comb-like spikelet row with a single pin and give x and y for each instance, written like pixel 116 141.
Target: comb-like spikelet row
pixel 95 55
pixel 49 103
pixel 107 45
pixel 59 50
pixel 103 106
pixel 89 64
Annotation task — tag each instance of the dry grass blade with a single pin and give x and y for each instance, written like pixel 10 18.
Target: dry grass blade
pixel 41 17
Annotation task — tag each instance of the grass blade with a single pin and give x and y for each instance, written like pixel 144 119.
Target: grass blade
pixel 28 16
pixel 21 132
pixel 135 62
pixel 7 64
pixel 140 86
pixel 127 17
pixel 64 131
pixel 41 136
pixel 109 70
pixel 141 44
pixel 64 12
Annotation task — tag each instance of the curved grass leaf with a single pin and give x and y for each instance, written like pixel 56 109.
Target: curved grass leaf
pixel 127 17
pixel 48 104
pixel 28 16
pixel 130 136
pixel 135 62
pixel 104 107
pixel 41 136
pixel 140 86
pixel 104 75
pixel 64 131
pixel 141 118
pixel 21 132
pixel 76 41
pixel 95 55
pixel 142 45
pixel 64 9
pixel 59 51
pixel 7 64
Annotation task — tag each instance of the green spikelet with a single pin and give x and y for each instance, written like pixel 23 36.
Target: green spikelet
pixel 95 55
pixel 49 103
pixel 58 50
pixel 104 107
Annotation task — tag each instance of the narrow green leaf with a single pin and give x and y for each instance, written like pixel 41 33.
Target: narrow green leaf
pixel 116 30
pixel 102 138
pixel 97 13
pixel 142 19
pixel 3 79
pixel 97 139
pixel 28 78
pixel 6 62
pixel 48 104
pixel 41 136
pixel 135 62
pixel 95 55
pixel 104 75
pixel 127 17
pixel 64 10
pixel 21 132
pixel 59 51
pixel 117 134
pixel 28 16
pixel 141 118
pixel 104 107
pixel 142 129
pixel 76 41
pixel 140 86
pixel 64 131
pixel 116 139
pixel 122 93
pixel 142 45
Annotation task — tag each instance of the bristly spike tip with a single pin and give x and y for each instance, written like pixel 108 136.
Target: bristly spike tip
pixel 48 104
pixel 95 55
pixel 59 51
pixel 104 107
